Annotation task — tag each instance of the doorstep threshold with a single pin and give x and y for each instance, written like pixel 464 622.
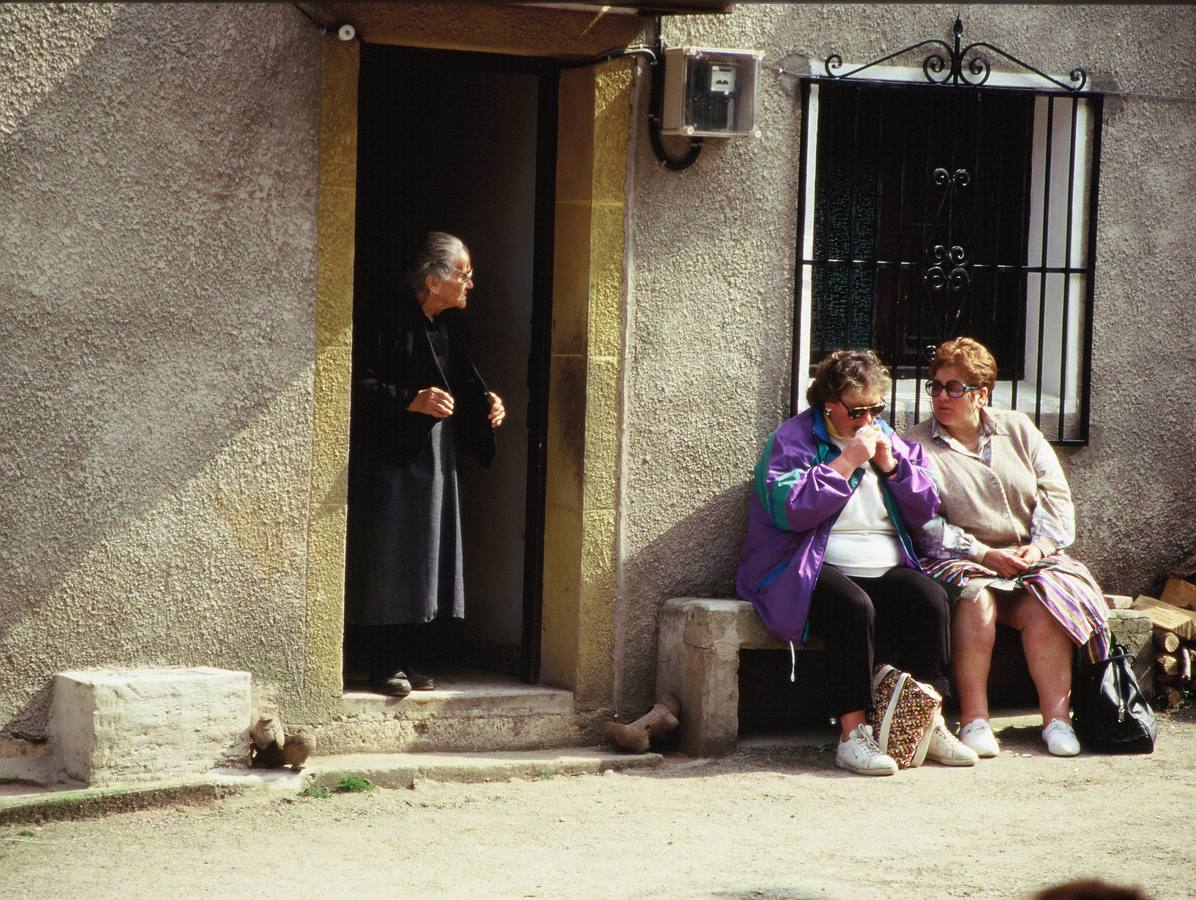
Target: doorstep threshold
pixel 464 692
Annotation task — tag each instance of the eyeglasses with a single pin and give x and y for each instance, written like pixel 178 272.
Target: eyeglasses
pixel 857 412
pixel 954 389
pixel 466 275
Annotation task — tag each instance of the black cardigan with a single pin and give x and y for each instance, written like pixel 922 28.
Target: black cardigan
pixel 396 363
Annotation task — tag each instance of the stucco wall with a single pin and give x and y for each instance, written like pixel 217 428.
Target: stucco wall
pixel 710 300
pixel 157 309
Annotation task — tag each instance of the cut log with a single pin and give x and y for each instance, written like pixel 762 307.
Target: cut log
pixel 1165 641
pixel 1184 658
pixel 1179 593
pixel 1168 617
pixel 1119 601
pixel 1167 663
pixel 1172 697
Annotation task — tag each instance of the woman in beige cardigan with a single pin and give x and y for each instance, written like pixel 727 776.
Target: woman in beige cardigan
pixel 996 545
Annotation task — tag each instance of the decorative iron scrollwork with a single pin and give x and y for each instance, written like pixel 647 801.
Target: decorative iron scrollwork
pixel 946 277
pixel 957 65
pixel 958 178
pixel 937 277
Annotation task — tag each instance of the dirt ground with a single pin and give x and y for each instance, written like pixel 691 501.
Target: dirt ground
pixel 777 822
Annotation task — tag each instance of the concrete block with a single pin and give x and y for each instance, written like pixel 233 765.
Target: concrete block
pixel 694 665
pixel 114 726
pixel 1133 628
pixel 698 663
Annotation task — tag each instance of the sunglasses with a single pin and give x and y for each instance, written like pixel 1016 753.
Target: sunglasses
pixel 857 412
pixel 954 389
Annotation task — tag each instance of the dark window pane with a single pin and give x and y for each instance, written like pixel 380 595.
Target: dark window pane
pixel 915 181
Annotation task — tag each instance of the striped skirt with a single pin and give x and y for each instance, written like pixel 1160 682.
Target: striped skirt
pixel 1061 584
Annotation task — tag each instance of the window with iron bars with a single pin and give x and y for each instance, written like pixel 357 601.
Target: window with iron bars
pixel 931 211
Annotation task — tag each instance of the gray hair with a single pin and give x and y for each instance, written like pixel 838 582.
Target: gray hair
pixel 437 255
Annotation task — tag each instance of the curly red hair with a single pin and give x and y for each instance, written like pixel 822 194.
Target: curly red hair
pixel 969 357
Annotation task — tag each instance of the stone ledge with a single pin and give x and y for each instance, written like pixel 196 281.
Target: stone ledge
pixel 90 803
pixel 403 770
pixel 387 770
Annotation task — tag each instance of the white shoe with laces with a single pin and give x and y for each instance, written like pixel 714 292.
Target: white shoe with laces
pixel 978 735
pixel 1061 738
pixel 861 754
pixel 946 749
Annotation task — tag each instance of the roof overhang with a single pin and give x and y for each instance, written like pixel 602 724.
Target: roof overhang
pixel 640 7
pixel 324 12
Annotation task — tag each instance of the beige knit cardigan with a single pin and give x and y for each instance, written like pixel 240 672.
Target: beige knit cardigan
pixel 994 505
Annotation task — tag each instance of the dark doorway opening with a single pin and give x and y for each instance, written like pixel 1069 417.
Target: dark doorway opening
pixel 466 143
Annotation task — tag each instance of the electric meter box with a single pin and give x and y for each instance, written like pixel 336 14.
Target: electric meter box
pixel 710 93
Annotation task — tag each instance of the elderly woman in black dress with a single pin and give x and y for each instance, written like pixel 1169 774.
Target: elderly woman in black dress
pixel 418 403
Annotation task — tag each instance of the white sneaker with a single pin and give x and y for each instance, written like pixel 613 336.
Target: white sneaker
pixel 978 735
pixel 861 754
pixel 1060 738
pixel 946 749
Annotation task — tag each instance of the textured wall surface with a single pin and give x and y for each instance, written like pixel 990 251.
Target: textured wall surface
pixel 157 288
pixel 158 204
pixel 711 293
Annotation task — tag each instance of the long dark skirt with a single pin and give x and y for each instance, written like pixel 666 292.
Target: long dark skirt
pixel 404 553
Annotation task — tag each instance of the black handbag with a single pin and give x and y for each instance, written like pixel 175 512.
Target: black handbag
pixel 1111 713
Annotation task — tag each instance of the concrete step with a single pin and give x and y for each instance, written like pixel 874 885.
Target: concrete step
pixel 28 802
pixel 399 770
pixel 470 710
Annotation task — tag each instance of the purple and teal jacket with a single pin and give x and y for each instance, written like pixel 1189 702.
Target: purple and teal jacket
pixel 796 501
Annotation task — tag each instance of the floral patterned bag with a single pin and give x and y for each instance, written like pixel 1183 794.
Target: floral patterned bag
pixel 903 714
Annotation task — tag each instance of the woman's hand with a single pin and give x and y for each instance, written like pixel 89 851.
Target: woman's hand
pixel 883 457
pixel 432 401
pixel 857 451
pixel 1030 553
pixel 498 412
pixel 862 446
pixel 1006 562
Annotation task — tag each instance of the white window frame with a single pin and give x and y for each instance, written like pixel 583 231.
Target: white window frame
pixel 1057 252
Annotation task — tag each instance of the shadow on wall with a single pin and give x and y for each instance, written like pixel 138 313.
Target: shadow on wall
pixel 696 557
pixel 157 239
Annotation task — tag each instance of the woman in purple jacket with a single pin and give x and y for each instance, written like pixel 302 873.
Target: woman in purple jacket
pixel 828 551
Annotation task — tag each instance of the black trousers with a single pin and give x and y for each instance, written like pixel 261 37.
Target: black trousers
pixel 901 618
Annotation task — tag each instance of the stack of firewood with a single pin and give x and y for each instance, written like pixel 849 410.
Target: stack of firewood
pixel 1174 619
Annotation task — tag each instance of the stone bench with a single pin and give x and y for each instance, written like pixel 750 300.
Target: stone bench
pixel 698 663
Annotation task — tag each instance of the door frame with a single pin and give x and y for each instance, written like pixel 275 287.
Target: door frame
pixel 547 73
pixel 587 258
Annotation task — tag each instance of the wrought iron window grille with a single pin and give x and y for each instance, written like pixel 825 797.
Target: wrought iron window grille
pixel 950 70
pixel 979 218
